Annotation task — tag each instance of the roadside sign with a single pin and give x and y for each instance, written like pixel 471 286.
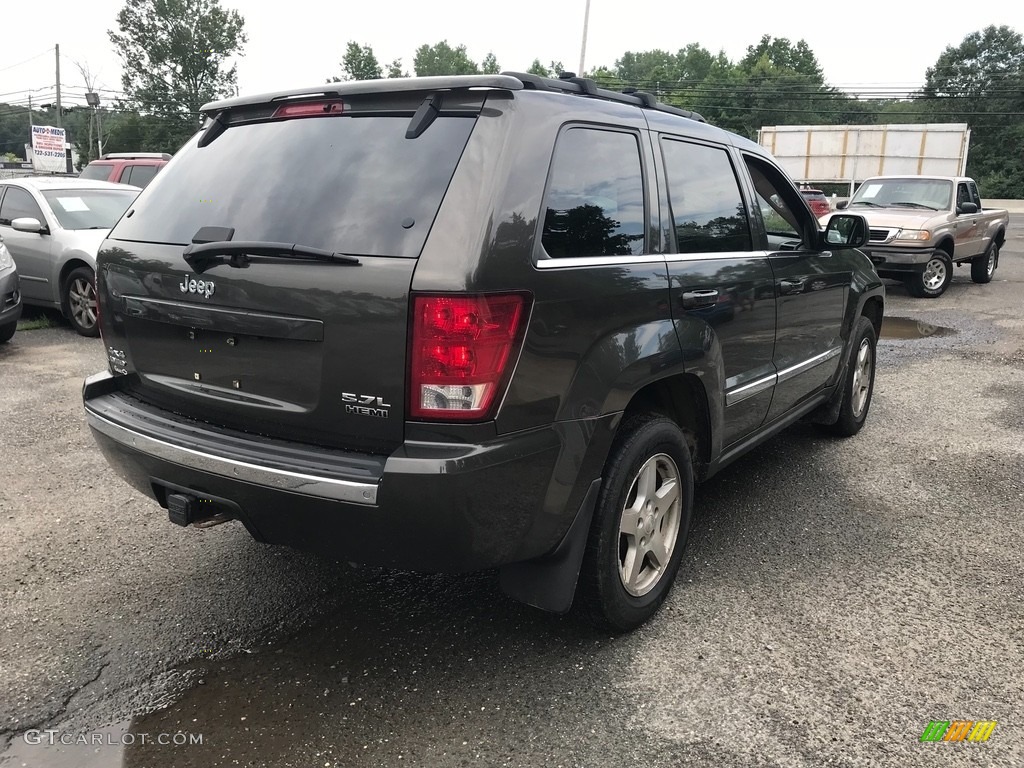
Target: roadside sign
pixel 48 149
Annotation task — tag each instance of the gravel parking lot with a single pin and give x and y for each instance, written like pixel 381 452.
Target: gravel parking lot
pixel 834 598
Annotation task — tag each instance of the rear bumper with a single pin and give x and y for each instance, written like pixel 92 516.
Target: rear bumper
pixel 427 506
pixel 10 297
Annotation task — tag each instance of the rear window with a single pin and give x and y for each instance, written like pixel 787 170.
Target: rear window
pixel 813 194
pixel 89 208
pixel 351 184
pixel 96 172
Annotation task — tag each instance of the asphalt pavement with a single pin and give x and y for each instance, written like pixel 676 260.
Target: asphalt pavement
pixel 835 597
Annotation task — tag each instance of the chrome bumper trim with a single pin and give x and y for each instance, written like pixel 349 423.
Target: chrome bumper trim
pixel 278 479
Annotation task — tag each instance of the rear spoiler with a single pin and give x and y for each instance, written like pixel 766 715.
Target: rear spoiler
pixel 385 85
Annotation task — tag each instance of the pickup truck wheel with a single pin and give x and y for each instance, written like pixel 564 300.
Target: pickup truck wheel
pixel 859 382
pixel 640 525
pixel 934 279
pixel 983 267
pixel 80 301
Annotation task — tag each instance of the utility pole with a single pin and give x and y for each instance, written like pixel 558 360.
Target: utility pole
pixel 93 100
pixel 59 124
pixel 583 47
pixel 30 113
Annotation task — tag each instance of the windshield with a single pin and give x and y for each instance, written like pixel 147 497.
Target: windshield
pixel 936 194
pixel 353 185
pixel 89 208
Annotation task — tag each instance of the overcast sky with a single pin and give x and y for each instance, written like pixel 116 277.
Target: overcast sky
pixel 865 44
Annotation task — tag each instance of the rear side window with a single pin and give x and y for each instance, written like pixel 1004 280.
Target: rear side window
pixel 594 205
pixel 351 184
pixel 139 175
pixel 95 172
pixel 708 213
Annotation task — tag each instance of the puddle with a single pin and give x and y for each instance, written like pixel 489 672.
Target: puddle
pixel 905 328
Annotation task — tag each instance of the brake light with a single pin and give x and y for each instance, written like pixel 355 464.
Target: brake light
pixel 309 109
pixel 462 353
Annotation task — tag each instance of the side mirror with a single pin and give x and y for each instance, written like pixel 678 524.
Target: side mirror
pixel 967 208
pixel 845 230
pixel 28 224
pixel 841 205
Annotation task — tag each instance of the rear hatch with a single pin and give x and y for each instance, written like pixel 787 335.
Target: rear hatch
pixel 262 329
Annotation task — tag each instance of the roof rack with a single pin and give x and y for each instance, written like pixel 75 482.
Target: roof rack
pixel 136 156
pixel 567 82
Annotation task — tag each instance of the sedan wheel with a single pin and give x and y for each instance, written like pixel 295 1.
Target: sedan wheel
pixel 80 301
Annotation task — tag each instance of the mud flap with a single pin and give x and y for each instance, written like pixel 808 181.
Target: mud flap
pixel 549 582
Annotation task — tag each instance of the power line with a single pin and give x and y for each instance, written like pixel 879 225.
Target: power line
pixel 26 61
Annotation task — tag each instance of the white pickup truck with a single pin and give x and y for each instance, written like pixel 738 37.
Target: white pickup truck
pixel 921 225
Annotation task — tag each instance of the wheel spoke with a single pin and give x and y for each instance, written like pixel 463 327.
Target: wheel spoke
pixel 631 566
pixel 631 522
pixel 645 485
pixel 659 550
pixel 667 495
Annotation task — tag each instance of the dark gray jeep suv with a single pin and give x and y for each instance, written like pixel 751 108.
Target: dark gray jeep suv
pixel 460 323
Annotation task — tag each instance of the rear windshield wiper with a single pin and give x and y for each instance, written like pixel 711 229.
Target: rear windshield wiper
pixel 202 256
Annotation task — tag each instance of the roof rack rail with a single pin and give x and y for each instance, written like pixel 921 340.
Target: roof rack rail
pixel 567 82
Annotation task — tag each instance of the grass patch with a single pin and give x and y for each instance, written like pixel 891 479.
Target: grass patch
pixel 35 323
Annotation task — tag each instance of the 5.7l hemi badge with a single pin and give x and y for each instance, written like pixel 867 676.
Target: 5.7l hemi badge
pixel 365 405
pixel 198 287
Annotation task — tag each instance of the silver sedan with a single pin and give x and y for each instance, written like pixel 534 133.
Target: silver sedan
pixel 53 227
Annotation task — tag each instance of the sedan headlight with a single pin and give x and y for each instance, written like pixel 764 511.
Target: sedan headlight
pixel 914 234
pixel 5 257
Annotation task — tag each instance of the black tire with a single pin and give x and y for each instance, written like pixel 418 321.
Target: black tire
pixel 858 383
pixel 984 266
pixel 934 279
pixel 79 301
pixel 653 448
pixel 7 331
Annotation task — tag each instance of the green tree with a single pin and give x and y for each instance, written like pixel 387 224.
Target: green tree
pixel 395 69
pixel 174 55
pixel 442 59
pixel 536 68
pixel 981 82
pixel 785 57
pixel 358 63
pixel 490 65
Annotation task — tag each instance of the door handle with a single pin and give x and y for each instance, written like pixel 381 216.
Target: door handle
pixel 700 299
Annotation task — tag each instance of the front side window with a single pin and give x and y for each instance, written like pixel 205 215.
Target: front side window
pixel 18 204
pixel 777 201
pixel 594 204
pixel 707 210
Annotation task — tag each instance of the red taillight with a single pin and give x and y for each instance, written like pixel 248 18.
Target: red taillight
pixel 309 109
pixel 462 349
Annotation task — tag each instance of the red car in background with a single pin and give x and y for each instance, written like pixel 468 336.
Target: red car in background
pixel 820 206
pixel 135 168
